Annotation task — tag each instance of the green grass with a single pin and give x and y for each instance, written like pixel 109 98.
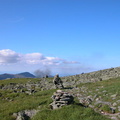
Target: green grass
pixel 22 101
pixel 15 102
pixel 71 112
pixel 110 86
pixel 24 80
pixel 17 80
pixel 104 89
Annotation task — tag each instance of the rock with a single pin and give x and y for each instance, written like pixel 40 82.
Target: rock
pixel 114 104
pixel 30 113
pixel 113 109
pixel 59 91
pixel 95 96
pixel 102 102
pixel 119 108
pixel 114 118
pixel 118 101
pixel 104 91
pixel 85 101
pixel 25 115
pixel 114 96
pixel 21 116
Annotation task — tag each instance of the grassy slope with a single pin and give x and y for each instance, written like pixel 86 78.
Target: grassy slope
pixel 107 91
pixel 104 89
pixel 14 102
pixel 17 80
pixel 21 101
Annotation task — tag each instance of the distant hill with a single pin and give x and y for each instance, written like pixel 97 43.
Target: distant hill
pixel 19 75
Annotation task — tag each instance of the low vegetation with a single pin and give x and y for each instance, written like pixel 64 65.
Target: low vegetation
pixel 14 102
pixel 70 112
pixel 11 102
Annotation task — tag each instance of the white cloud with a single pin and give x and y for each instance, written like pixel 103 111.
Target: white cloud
pixel 32 58
pixel 8 56
pixel 13 61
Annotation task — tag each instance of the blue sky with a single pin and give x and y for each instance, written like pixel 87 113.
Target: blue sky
pixel 65 36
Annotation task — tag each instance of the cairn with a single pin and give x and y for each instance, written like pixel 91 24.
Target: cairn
pixel 60 99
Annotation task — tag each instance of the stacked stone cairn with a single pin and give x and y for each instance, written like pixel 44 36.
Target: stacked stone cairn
pixel 60 99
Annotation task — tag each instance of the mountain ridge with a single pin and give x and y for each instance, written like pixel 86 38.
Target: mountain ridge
pixel 19 75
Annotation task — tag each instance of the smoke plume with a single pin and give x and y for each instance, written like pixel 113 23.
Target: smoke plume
pixel 42 73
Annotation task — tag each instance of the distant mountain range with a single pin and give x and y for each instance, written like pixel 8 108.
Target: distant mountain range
pixel 19 75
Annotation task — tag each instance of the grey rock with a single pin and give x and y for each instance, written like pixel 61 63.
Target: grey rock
pixel 102 102
pixel 21 116
pixel 25 115
pixel 114 104
pixel 114 96
pixel 118 101
pixel 85 101
pixel 119 108
pixel 113 109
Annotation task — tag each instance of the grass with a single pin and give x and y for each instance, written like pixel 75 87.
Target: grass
pixel 111 86
pixel 23 80
pixel 17 80
pixel 71 112
pixel 15 102
pixel 104 90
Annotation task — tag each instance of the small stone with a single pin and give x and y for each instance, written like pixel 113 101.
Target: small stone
pixel 118 101
pixel 113 109
pixel 114 118
pixel 113 96
pixel 104 91
pixel 119 108
pixel 59 91
pixel 97 99
pixel 114 104
pixel 15 115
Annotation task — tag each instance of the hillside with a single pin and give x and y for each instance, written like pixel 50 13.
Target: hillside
pixel 94 98
pixel 19 75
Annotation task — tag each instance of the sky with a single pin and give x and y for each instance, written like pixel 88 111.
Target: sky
pixel 65 36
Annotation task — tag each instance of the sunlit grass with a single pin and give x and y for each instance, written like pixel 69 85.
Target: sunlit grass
pixel 71 112
pixel 22 101
pixel 15 102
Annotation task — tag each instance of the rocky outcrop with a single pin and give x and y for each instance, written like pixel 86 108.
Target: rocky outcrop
pixel 91 77
pixel 110 107
pixel 29 87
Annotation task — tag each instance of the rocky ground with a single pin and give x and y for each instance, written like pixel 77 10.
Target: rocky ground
pixel 110 109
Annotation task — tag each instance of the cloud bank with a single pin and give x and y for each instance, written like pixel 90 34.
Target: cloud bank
pixel 11 61
pixel 8 56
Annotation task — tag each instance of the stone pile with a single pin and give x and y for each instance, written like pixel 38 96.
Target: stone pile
pixel 61 98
